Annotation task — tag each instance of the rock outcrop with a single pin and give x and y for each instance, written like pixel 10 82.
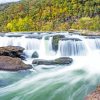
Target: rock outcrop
pixel 34 36
pixel 12 64
pixel 56 40
pixel 62 60
pixel 94 95
pixel 12 51
pixel 35 55
pixel 72 39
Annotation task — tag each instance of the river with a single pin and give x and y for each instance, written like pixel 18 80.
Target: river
pixel 52 82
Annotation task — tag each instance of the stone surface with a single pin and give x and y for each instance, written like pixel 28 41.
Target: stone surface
pixel 35 55
pixel 34 36
pixel 12 51
pixel 62 60
pixel 56 40
pixel 94 95
pixel 92 37
pixel 13 35
pixel 12 64
pixel 72 39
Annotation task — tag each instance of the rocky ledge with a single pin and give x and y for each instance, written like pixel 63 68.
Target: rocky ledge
pixel 12 51
pixel 72 39
pixel 62 60
pixel 94 95
pixel 55 41
pixel 12 64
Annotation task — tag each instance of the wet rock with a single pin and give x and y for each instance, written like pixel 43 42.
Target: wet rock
pixel 12 51
pixel 55 41
pixel 35 55
pixel 34 36
pixel 62 60
pixel 92 37
pixel 12 64
pixel 23 56
pixel 72 39
pixel 94 95
pixel 13 35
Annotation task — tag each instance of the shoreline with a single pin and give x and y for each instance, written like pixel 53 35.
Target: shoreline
pixel 81 32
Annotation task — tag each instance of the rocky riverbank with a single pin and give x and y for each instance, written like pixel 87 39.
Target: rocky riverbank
pixel 12 51
pixel 95 95
pixel 12 64
pixel 10 59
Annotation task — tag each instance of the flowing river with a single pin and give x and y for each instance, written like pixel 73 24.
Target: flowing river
pixel 52 82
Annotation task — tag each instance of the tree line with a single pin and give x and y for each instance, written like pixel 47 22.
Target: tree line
pixel 50 15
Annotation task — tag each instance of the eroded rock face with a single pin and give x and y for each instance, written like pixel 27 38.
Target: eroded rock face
pixel 12 51
pixel 12 64
pixel 94 95
pixel 56 40
pixel 62 60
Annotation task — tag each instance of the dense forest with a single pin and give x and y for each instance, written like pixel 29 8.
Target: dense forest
pixel 50 15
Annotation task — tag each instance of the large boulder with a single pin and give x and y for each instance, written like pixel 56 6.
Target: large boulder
pixel 56 40
pixel 62 60
pixel 12 51
pixel 12 64
pixel 94 95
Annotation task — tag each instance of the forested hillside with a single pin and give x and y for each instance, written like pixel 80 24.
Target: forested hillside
pixel 50 15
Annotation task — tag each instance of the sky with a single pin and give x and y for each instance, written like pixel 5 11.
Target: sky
pixel 4 1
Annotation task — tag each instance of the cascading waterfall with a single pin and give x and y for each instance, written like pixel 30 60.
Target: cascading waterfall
pixel 58 82
pixel 45 50
pixel 27 43
pixel 71 48
pixel 93 43
pixel 42 50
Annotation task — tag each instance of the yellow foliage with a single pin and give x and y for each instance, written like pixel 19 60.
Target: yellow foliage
pixel 62 27
pixel 47 26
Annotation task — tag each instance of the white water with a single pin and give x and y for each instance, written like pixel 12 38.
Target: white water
pixel 70 48
pixel 57 82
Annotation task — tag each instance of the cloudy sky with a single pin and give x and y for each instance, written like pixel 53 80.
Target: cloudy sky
pixel 3 1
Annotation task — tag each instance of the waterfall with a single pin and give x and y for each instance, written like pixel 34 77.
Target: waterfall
pixel 71 48
pixel 44 46
pixel 50 50
pixel 42 50
pixel 54 82
pixel 93 43
pixel 27 43
pixel 45 50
